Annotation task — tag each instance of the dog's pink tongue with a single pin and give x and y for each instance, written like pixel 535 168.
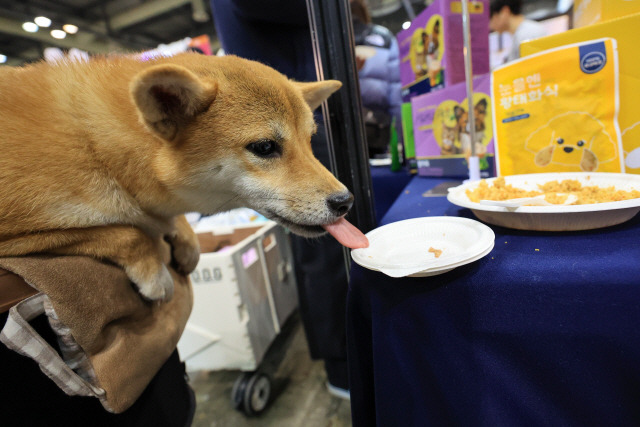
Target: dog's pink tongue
pixel 347 234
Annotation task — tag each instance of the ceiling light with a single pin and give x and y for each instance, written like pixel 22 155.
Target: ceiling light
pixel 30 27
pixel 3 58
pixel 58 34
pixel 406 25
pixel 53 54
pixel 70 28
pixel 42 21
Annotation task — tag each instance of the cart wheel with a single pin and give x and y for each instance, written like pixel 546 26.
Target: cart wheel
pixel 239 387
pixel 257 394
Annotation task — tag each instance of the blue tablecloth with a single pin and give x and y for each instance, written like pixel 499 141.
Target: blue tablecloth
pixel 545 330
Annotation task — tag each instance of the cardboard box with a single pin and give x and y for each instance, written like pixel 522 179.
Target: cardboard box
pixel 431 49
pixel 441 132
pixel 244 290
pixel 590 12
pixel 624 31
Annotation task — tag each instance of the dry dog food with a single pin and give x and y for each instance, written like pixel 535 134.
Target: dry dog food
pixel 436 252
pixel 589 194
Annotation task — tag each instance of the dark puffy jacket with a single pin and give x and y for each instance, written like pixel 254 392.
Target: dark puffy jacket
pixel 380 86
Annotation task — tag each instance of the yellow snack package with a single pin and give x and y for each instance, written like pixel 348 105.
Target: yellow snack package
pixel 623 30
pixel 589 12
pixel 557 111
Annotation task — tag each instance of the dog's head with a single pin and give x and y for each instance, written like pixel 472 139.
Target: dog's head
pixel 236 133
pixel 563 152
pixel 575 140
pixel 480 114
pixel 462 117
pixel 448 136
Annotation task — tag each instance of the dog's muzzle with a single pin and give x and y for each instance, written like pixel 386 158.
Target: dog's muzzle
pixel 340 203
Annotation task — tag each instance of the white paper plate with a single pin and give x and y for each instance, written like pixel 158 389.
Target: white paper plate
pixel 402 248
pixel 557 217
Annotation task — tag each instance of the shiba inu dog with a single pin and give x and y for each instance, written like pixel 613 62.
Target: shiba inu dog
pixel 103 157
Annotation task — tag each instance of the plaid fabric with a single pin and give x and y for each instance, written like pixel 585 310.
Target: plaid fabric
pixel 72 354
pixel 20 337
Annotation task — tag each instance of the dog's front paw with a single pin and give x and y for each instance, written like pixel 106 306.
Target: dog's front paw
pixel 186 249
pixel 154 284
pixel 186 258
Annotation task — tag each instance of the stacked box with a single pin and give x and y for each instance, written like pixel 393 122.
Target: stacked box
pixel 590 12
pixel 442 133
pixel 431 49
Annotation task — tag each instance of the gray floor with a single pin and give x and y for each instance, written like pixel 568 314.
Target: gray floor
pixel 303 400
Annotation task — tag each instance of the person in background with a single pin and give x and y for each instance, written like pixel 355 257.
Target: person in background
pixel 506 15
pixel 379 75
pixel 279 36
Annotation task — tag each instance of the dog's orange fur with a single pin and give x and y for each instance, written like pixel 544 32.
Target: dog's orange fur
pixel 102 158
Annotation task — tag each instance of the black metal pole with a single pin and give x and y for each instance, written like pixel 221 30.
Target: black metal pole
pixel 333 46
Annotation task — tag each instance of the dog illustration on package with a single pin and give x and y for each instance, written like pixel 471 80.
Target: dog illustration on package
pixel 575 140
pixel 449 136
pixel 480 113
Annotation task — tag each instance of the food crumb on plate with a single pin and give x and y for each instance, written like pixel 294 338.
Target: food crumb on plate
pixel 436 252
pixel 537 250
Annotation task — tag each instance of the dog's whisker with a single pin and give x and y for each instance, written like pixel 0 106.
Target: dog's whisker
pixel 220 207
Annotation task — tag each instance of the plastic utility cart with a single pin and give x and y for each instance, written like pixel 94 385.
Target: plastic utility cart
pixel 244 290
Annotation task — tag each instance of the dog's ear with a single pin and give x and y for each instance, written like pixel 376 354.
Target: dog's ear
pixel 544 156
pixel 458 111
pixel 589 162
pixel 316 92
pixel 169 96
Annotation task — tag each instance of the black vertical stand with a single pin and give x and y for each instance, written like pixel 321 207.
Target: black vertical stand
pixel 333 45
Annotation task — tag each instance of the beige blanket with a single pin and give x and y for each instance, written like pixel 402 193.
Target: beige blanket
pixel 126 339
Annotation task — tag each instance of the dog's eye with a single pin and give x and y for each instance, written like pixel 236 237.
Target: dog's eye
pixel 265 148
pixel 560 141
pixel 580 143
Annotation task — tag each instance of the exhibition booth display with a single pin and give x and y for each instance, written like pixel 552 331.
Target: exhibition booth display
pixel 531 326
pixel 500 286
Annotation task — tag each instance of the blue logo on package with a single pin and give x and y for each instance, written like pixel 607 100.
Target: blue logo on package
pixel 593 57
pixel 515 118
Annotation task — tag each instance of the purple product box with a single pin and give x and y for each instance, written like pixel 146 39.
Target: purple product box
pixel 442 134
pixel 431 49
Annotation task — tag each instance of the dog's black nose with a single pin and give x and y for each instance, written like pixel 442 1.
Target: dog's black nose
pixel 340 203
pixel 568 149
